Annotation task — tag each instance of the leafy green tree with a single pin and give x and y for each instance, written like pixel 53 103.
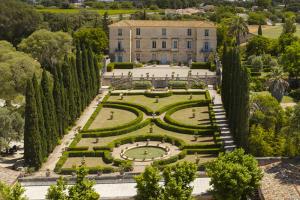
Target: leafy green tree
pixel 258 45
pixel 12 192
pixel 289 25
pixel 234 175
pixel 15 69
pixel 177 181
pixel 32 139
pixel 11 127
pixel 83 188
pixel 148 187
pixel 291 59
pixel 49 48
pixel 277 83
pixel 18 20
pixel 263 3
pixel 95 38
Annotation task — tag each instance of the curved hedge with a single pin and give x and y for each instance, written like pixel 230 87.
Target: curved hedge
pixel 116 132
pixel 184 130
pixel 137 120
pixel 172 121
pixel 145 109
pixel 170 160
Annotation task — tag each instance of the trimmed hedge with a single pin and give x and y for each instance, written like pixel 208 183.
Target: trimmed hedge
pixel 204 151
pixel 158 94
pixel 61 162
pixel 91 170
pixel 116 132
pixel 170 160
pixel 123 65
pixel 85 153
pixel 137 120
pixel 178 84
pixel 80 148
pixel 145 109
pixel 170 127
pixel 201 146
pixel 141 84
pixel 200 65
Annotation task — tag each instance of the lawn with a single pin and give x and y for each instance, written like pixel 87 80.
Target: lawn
pixel 103 141
pixel 89 161
pixel 101 12
pixel 285 99
pixel 272 31
pixel 120 117
pixel 139 152
pixel 150 102
pixel 186 116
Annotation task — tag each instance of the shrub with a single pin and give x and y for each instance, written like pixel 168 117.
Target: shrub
pixel 295 94
pixel 158 94
pixel 178 84
pixel 200 65
pixel 142 84
pixel 110 67
pixel 123 65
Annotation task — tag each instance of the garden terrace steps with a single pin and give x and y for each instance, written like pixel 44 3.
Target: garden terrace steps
pixel 221 121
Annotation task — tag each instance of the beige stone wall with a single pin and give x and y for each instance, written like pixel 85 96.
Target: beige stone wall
pixel 168 54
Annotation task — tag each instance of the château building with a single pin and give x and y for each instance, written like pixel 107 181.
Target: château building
pixel 162 41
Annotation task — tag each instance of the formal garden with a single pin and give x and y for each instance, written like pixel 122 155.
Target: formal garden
pixel 142 128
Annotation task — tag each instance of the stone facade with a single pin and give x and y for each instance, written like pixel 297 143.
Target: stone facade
pixel 162 41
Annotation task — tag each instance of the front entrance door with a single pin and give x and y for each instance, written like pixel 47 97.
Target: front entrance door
pixel 164 59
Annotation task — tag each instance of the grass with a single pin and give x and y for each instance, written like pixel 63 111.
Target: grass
pixel 103 141
pixel 103 119
pixel 272 31
pixel 285 99
pixel 150 102
pixel 101 12
pixel 139 152
pixel 90 162
pixel 186 116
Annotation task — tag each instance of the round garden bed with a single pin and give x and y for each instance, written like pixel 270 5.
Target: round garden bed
pixel 145 152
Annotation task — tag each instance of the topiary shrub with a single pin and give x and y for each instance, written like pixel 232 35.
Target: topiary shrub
pixel 123 65
pixel 178 84
pixel 142 84
pixel 110 67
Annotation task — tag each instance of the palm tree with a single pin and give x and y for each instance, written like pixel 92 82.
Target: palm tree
pixel 238 27
pixel 277 84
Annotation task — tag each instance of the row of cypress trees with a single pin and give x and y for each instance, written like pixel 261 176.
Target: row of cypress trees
pixel 51 108
pixel 235 94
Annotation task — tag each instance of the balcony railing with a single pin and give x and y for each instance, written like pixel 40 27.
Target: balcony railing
pixel 119 50
pixel 206 50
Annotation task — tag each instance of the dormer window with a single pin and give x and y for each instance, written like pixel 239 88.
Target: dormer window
pixel 206 32
pixel 189 32
pixel 164 32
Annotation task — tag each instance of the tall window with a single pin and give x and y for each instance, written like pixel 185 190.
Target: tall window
pixel 138 44
pixel 164 31
pixel 153 44
pixel 164 44
pixel 120 58
pixel 138 31
pixel 206 32
pixel 120 32
pixel 119 45
pixel 189 44
pixel 189 32
pixel 175 44
pixel 206 46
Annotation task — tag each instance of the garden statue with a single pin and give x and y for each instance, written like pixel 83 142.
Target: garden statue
pixel 121 96
pixel 191 96
pixel 195 137
pixel 156 99
pixel 48 173
pixel 194 113
pixel 111 115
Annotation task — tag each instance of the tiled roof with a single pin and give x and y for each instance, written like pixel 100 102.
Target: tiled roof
pixel 8 176
pixel 162 23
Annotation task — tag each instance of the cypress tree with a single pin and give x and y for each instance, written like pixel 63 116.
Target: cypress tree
pixel 86 73
pixel 92 71
pixel 105 23
pixel 51 127
pixel 97 72
pixel 259 30
pixel 69 90
pixel 57 94
pixel 77 96
pixel 42 130
pixel 32 140
pixel 81 79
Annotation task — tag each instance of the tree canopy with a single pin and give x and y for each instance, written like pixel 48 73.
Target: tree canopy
pixel 17 21
pixel 234 175
pixel 49 48
pixel 15 68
